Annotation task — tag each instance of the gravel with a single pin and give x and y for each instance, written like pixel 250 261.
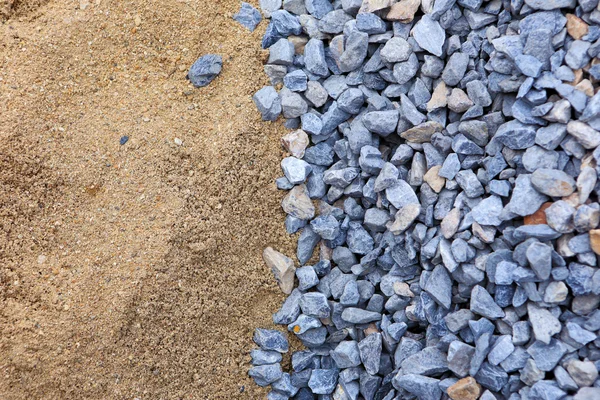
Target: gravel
pixel 446 169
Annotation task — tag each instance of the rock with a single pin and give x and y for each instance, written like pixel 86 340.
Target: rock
pixel 465 389
pixel 315 304
pixel 359 316
pixel 576 27
pixel 205 69
pixel 560 216
pixel 459 358
pixel 396 50
pixel 403 11
pixel 355 51
pixel 323 381
pixel 370 352
pixel 552 182
pixel 262 357
pixel 455 68
pixel 404 218
pixel 439 286
pixel 525 199
pixel 264 375
pixel 248 16
pixel 584 373
pixel 268 103
pixel 282 267
pixel 271 340
pixel 483 304
pixel 595 240
pixel 297 203
pixel 538 217
pixel 429 35
pixel 584 134
pixel 422 133
pixel 544 324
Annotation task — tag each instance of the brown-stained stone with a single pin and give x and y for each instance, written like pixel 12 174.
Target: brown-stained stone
pixel 465 389
pixel 538 217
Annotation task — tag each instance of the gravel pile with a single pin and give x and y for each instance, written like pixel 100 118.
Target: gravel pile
pixel 443 163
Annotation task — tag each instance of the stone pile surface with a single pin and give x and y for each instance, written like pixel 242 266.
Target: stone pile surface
pixel 442 176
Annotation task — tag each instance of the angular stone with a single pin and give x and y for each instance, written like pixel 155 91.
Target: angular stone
pixel 271 340
pixel 465 389
pixel 282 267
pixel 544 324
pixel 459 358
pixel 205 69
pixel 370 352
pixel 264 375
pixel 483 304
pixel 439 286
pixel 297 203
pixel 429 35
pixel 268 103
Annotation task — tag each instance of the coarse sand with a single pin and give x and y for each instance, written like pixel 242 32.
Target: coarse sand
pixel 133 271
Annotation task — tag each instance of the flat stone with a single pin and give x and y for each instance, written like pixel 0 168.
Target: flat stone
pixel 422 133
pixel 282 267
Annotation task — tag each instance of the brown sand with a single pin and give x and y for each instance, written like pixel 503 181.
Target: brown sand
pixel 132 271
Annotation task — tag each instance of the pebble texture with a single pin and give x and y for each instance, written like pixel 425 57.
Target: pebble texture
pixel 445 190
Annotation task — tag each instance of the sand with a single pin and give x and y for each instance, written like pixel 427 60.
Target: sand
pixel 133 271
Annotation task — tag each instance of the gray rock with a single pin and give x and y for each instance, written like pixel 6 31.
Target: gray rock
pixel 323 381
pixel 544 324
pixel 346 354
pixel 483 304
pixel 263 357
pixel 429 362
pixel 439 286
pixel 248 16
pixel 429 35
pixel 315 305
pixel 525 199
pixel 381 122
pixel 421 386
pixel 359 316
pixel 559 216
pixel 264 375
pixel 314 59
pixel 502 348
pixel 355 51
pixel 468 181
pixel 268 339
pixel 281 53
pixel 205 69
pixel 268 103
pixel 295 170
pixel 370 352
pixel 455 69
pixel 396 50
pixel 539 256
pixel 459 358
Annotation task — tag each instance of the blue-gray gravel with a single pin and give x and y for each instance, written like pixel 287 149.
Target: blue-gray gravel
pixel 451 188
